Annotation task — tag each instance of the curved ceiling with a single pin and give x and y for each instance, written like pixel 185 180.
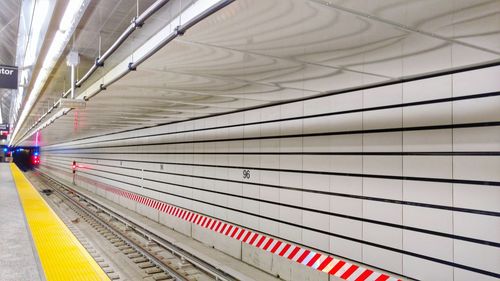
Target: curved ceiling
pixel 256 52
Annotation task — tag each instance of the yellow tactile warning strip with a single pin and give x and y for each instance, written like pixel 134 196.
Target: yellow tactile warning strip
pixel 61 254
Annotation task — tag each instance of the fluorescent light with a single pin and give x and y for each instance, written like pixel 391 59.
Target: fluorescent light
pixel 70 16
pixel 74 11
pixel 39 18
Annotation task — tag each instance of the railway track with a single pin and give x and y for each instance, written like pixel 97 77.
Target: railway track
pixel 156 257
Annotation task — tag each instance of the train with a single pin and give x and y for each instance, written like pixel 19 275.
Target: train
pixel 26 158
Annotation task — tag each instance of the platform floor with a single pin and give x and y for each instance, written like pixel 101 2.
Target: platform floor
pixel 18 260
pixel 56 254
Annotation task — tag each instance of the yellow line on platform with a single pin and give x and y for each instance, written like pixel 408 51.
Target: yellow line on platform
pixel 61 254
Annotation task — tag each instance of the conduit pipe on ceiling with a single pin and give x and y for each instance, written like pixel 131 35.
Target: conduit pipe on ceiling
pixel 179 31
pixel 136 22
pixel 131 66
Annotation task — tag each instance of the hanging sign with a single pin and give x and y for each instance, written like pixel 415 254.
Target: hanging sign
pixel 72 103
pixel 8 77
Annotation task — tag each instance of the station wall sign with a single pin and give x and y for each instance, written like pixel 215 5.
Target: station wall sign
pixel 8 77
pixel 4 127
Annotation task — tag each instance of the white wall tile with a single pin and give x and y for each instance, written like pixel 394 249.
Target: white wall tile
pixel 316 162
pixel 422 269
pixel 477 226
pixel 436 193
pixel 383 95
pixel 476 255
pixel 428 245
pixel 352 100
pixel 431 140
pixel 291 215
pixel 316 201
pixel 346 163
pixel 316 182
pixel 346 185
pixel 428 166
pixel 346 227
pixel 476 139
pixel 481 168
pixel 383 235
pixel 382 211
pixel 346 143
pixel 382 188
pixel 290 179
pixel 427 115
pixel 378 119
pixel 427 89
pixel 290 232
pixel 346 206
pixel 346 248
pixel 486 80
pixel 476 197
pixel 383 165
pixel 383 142
pixel 476 110
pixel 379 257
pixel 317 144
pixel 427 218
pixel 316 220
pixel 466 275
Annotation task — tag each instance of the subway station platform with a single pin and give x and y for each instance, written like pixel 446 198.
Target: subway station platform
pixel 250 140
pixel 35 244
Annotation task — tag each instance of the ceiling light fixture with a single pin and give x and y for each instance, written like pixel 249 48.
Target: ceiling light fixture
pixel 38 21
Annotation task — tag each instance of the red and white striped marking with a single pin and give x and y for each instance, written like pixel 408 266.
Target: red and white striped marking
pixel 328 264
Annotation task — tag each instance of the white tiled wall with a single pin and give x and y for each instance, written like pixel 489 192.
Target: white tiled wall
pixel 323 189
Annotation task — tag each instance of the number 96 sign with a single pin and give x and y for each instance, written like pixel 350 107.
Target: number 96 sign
pixel 246 174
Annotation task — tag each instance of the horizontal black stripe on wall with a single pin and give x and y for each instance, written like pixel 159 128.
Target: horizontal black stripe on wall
pixel 392 225
pixel 335 133
pixel 329 193
pixel 453 264
pixel 408 178
pixel 367 153
pixel 399 105
pixel 322 95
